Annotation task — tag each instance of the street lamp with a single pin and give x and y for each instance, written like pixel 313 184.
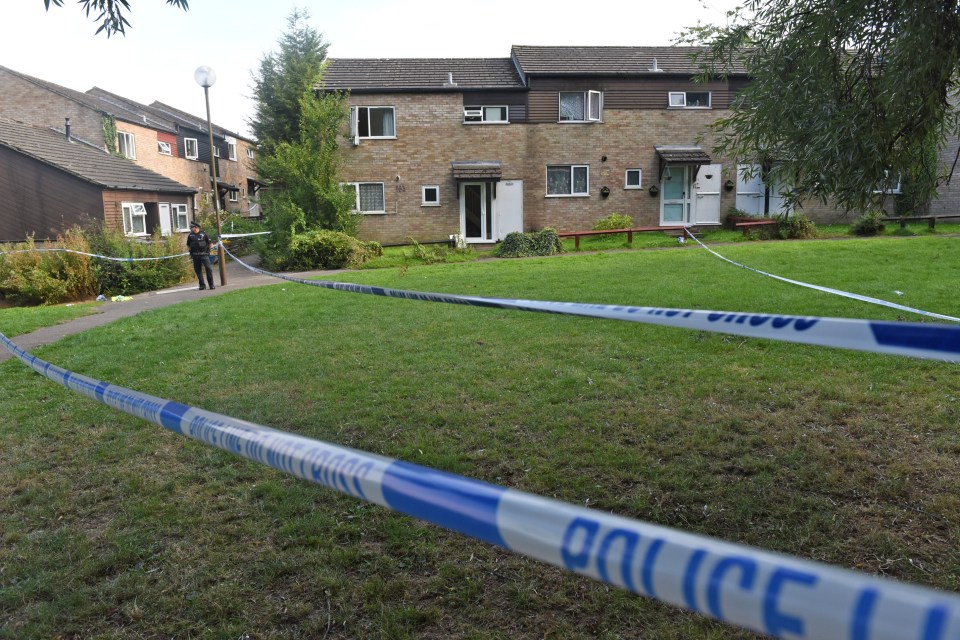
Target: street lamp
pixel 205 77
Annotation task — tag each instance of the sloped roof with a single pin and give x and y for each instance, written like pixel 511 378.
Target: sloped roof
pixel 535 60
pixel 399 74
pixel 83 160
pixel 188 119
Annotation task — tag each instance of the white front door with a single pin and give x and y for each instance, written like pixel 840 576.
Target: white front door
pixel 509 208
pixel 476 212
pixel 706 207
pixel 675 196
pixel 166 225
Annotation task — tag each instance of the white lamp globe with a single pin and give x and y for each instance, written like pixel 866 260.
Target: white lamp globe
pixel 205 76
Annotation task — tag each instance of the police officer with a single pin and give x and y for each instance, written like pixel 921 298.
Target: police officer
pixel 199 244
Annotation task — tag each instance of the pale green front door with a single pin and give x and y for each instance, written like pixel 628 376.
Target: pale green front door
pixel 675 196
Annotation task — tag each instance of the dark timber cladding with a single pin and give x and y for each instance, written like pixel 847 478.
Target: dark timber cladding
pixel 41 199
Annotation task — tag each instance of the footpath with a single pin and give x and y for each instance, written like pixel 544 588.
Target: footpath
pixel 238 277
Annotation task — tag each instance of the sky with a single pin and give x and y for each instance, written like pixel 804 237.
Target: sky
pixel 164 45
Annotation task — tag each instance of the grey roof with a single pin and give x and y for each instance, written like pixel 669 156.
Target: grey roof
pixel 188 119
pixel 408 74
pixel 83 160
pixel 534 60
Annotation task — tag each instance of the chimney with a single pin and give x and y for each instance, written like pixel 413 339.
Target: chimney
pixel 66 128
pixel 655 68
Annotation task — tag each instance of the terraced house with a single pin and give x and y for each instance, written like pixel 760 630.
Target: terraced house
pixel 549 137
pixel 157 137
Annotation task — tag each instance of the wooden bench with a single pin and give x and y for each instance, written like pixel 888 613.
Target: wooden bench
pixel 576 235
pixel 931 220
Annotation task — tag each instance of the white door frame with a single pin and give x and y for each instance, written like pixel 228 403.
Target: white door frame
pixel 487 216
pixel 682 173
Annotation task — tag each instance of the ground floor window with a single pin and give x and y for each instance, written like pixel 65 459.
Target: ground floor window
pixel 134 219
pixel 430 196
pixel 568 180
pixel 632 180
pixel 181 220
pixel 368 196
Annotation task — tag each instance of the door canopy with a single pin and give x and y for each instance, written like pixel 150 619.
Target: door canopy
pixel 681 154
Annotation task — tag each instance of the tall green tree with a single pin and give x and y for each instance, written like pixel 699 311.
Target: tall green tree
pixel 282 79
pixel 845 95
pixel 110 13
pixel 304 191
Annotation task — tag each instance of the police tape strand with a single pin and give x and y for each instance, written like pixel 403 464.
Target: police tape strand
pixel 94 255
pixel 838 292
pixel 779 595
pixel 918 340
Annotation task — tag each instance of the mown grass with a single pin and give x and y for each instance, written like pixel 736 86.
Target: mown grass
pixel 115 528
pixel 19 320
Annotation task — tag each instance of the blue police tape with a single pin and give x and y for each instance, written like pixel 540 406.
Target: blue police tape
pixel 918 340
pixel 774 594
pixel 838 292
pixel 94 255
pixel 244 235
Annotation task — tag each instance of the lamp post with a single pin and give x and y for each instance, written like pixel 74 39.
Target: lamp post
pixel 205 77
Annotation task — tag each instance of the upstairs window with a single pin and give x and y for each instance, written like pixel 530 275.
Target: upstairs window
pixel 164 148
pixel 568 180
pixel 373 122
pixel 251 154
pixel 581 106
pixel 231 150
pixel 486 114
pixel 689 99
pixel 190 149
pixel 125 145
pixel 368 196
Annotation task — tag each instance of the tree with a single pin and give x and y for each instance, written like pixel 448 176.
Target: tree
pixel 284 76
pixel 111 16
pixel 304 191
pixel 845 96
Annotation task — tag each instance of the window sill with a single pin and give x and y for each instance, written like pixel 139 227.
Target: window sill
pixel 633 188
pixel 379 138
pixel 486 123
pixel 689 108
pixel 579 121
pixel 568 195
pixel 372 213
pixel 429 204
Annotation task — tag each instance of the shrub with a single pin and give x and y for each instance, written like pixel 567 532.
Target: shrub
pixel 868 224
pixel 322 249
pixel 30 276
pixel 127 278
pixel 614 221
pixel 796 226
pixel 534 243
pixel 235 223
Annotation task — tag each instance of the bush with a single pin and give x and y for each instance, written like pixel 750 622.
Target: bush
pixel 614 221
pixel 30 276
pixel 322 249
pixel 235 223
pixel 127 278
pixel 534 243
pixel 796 226
pixel 868 224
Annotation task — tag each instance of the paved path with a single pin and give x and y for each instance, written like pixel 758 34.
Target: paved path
pixel 238 277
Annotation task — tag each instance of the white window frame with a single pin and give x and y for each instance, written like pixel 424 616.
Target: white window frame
pixel 678 100
pixel 423 195
pixel 216 151
pixel 626 179
pixel 126 145
pixel 251 154
pixel 233 195
pixel 129 211
pixel 355 122
pixel 477 114
pixel 181 219
pixel 164 148
pixel 572 168
pixel 356 194
pixel 592 101
pixel 186 149
pixel 231 149
pixel 894 188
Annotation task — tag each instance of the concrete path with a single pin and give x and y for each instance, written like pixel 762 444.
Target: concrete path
pixel 238 277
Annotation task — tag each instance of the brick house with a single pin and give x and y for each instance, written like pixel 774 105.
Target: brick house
pixel 52 181
pixel 549 137
pixel 157 137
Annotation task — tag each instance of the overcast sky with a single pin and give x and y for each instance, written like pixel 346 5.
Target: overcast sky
pixel 164 45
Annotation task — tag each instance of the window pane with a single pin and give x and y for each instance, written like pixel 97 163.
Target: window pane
pixel 371 197
pixel 698 99
pixel 677 99
pixel 580 180
pixel 571 106
pixel 594 105
pixel 558 181
pixel 381 122
pixel 633 177
pixel 495 114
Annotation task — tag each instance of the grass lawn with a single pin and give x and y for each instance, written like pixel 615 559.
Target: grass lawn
pixel 114 528
pixel 19 320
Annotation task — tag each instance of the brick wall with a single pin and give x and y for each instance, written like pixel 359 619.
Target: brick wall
pixel 25 101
